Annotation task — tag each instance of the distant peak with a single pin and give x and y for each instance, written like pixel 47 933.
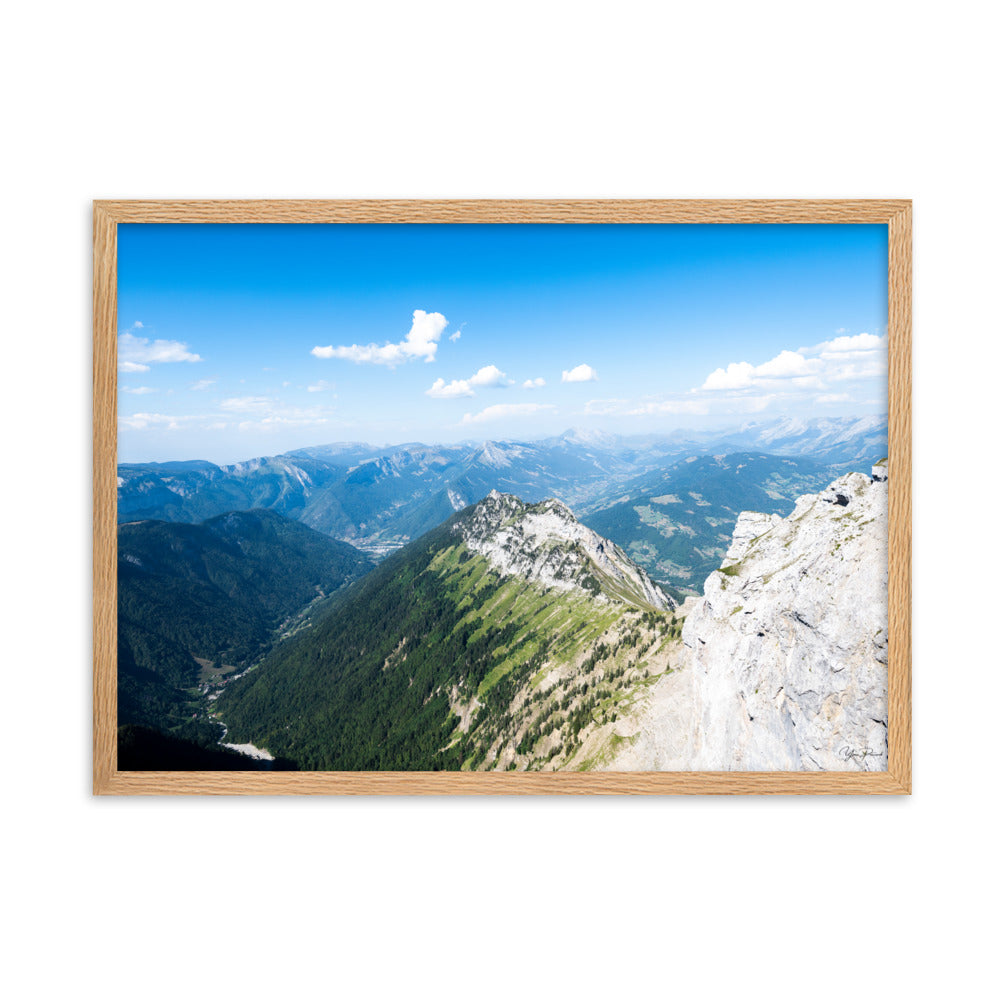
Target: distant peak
pixel 588 436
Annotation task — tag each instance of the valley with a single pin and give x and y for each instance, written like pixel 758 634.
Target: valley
pixel 197 604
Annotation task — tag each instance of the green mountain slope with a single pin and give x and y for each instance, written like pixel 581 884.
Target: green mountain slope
pixel 214 592
pixel 449 655
pixel 677 523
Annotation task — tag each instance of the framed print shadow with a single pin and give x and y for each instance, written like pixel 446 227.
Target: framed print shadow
pixel 502 497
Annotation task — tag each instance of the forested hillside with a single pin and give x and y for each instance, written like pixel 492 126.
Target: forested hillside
pixel 442 658
pixel 216 593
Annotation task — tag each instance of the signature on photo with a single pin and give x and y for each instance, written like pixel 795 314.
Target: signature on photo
pixel 859 755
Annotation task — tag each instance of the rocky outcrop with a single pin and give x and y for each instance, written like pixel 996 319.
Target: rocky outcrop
pixel 788 648
pixel 545 544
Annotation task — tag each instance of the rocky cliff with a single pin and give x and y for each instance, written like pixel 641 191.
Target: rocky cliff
pixel 545 544
pixel 788 648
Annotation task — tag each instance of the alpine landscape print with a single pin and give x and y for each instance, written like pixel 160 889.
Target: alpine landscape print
pixel 502 497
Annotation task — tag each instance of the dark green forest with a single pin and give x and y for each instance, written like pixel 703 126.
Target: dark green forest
pixel 218 591
pixel 323 698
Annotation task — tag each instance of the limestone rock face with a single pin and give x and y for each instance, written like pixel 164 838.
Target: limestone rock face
pixel 546 544
pixel 788 648
pixel 749 526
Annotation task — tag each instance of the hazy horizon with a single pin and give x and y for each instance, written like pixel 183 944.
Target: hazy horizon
pixel 470 442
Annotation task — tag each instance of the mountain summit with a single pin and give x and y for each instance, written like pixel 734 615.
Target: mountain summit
pixel 544 543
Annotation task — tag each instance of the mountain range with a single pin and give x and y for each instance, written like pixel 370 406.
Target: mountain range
pixel 378 499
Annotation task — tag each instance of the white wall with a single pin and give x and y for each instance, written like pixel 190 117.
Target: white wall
pixel 494 898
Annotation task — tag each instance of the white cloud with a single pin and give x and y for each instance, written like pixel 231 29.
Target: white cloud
pixel 743 375
pixel 202 383
pixel 263 415
pixel 861 345
pixel 801 377
pixel 321 386
pixel 136 354
pixel 259 413
pixel 290 418
pixel 420 342
pixel 489 375
pixel 456 335
pixel 450 390
pixel 504 410
pixel 605 407
pixel 139 390
pixel 245 404
pixel 738 375
pixel 788 364
pixel 581 373
pixel 137 325
pixel 874 367
pixel 689 406
pixel 808 368
pixel 172 422
pixel 705 405
pixel 534 383
pixel 850 359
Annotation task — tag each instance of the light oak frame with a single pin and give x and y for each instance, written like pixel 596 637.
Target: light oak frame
pixel 108 780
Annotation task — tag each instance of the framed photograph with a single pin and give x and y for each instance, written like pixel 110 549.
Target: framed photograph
pixel 502 497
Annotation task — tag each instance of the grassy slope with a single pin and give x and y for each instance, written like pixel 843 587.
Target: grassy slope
pixel 435 662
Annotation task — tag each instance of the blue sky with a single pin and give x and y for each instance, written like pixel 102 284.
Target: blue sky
pixel 237 341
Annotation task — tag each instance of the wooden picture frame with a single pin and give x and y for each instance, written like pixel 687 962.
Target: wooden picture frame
pixel 107 779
